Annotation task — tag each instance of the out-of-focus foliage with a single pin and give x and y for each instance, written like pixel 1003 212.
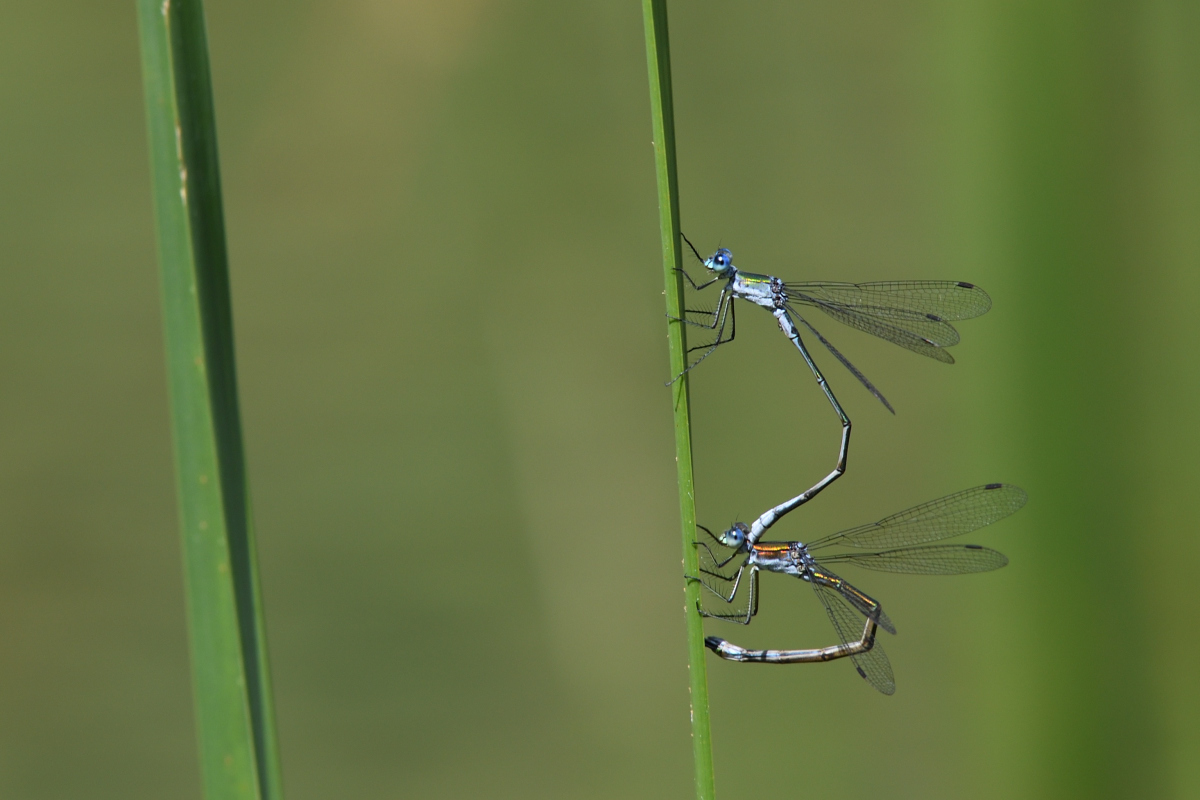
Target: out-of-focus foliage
pixel 451 350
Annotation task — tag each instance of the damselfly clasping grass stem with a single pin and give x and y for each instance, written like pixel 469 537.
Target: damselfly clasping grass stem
pixel 895 543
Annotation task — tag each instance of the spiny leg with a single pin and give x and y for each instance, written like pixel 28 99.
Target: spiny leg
pixel 718 563
pixel 722 315
pixel 715 316
pixel 694 285
pixel 735 579
pixel 697 286
pixel 740 617
pixel 724 312
pixel 692 247
pixel 699 258
pixel 724 304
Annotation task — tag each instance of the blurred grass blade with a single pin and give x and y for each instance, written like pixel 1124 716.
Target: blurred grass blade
pixel 659 61
pixel 234 716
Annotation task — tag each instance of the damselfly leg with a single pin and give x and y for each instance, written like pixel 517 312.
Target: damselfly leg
pixel 722 320
pixel 725 584
pixel 700 258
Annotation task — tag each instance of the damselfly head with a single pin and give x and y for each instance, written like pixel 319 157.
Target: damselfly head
pixel 720 262
pixel 735 537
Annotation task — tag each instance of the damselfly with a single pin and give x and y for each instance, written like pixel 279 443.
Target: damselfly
pixel 913 314
pixel 896 543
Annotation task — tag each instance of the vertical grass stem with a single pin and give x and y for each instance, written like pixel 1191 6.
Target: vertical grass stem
pixel 234 716
pixel 659 61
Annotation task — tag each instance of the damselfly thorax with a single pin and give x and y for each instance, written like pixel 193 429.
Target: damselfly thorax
pixel 790 558
pixel 762 290
pixel 775 557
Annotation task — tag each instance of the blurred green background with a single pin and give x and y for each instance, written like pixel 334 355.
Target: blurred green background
pixel 451 339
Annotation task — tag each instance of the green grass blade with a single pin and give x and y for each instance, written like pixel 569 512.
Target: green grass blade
pixel 659 60
pixel 234 716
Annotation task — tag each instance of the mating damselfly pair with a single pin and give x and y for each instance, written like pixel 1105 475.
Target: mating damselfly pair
pixel 915 315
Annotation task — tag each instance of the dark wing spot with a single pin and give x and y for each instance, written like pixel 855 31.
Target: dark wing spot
pixel 933 317
pixel 860 671
pixel 966 285
pixel 973 546
pixel 994 486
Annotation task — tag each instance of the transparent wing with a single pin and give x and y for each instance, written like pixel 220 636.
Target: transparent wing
pixel 732 590
pixel 918 334
pixel 946 300
pixel 912 314
pixel 943 518
pixel 938 559
pixel 862 602
pixel 873 665
pixel 838 355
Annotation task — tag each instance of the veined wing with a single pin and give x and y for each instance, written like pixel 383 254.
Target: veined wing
pixel 947 300
pixel 838 355
pixel 859 600
pixel 912 314
pixel 937 559
pixel 873 665
pixel 943 518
